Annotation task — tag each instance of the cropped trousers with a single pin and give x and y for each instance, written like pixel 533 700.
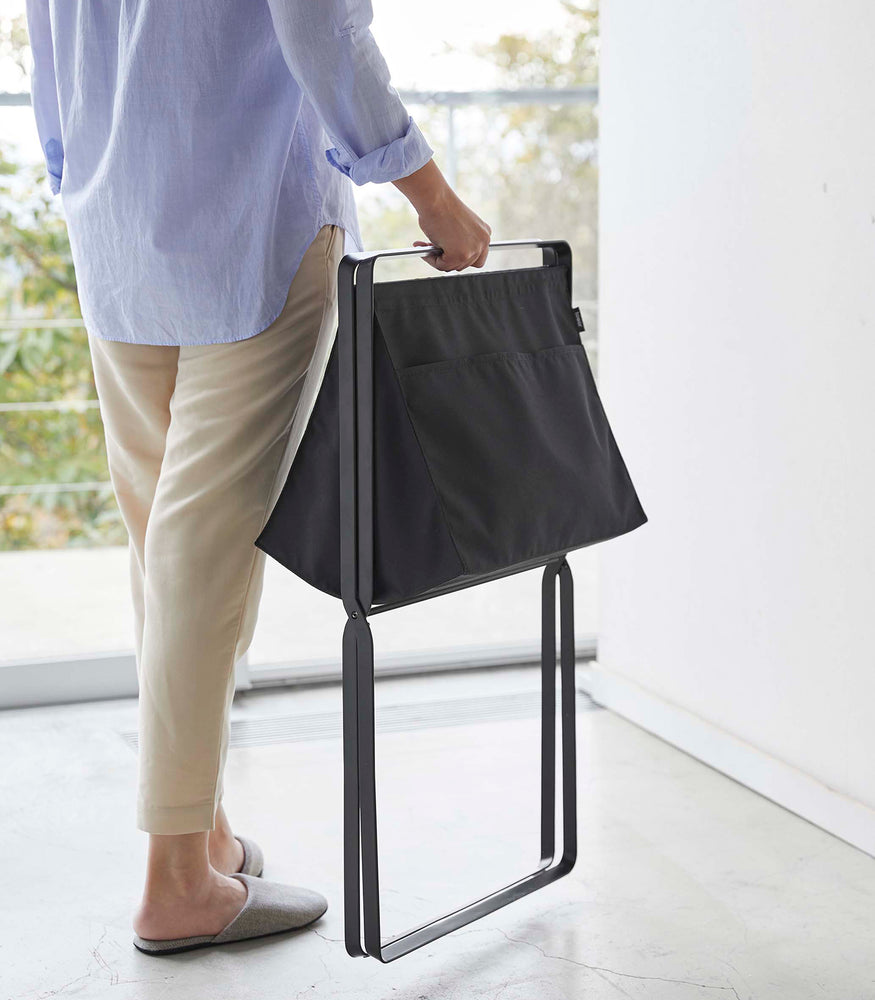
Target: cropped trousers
pixel 200 440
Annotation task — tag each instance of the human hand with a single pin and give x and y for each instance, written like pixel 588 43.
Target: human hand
pixel 460 233
pixel 446 220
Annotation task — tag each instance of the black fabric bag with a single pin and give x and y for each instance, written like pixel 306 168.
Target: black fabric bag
pixel 491 446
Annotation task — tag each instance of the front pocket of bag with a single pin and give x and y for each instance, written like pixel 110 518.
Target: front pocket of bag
pixel 520 453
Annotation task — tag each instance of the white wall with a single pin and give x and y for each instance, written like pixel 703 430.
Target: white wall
pixel 737 318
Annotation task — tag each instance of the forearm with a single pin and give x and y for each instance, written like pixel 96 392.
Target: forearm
pixel 426 189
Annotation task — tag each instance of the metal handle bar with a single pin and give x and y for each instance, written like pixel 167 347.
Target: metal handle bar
pixel 555 252
pixel 358 256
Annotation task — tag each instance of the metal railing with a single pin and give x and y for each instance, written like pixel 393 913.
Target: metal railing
pixel 452 100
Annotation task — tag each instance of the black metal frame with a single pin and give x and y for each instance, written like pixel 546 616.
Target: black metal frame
pixel 360 856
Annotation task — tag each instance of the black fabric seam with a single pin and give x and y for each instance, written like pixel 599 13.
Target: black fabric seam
pixel 546 273
pixel 526 287
pixel 472 296
pixel 491 357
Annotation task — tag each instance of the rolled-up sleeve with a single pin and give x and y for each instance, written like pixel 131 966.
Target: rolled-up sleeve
pixel 44 90
pixel 332 54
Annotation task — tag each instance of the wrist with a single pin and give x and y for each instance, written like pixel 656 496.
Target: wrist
pixel 426 188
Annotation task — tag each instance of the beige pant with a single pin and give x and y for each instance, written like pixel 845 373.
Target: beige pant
pixel 200 440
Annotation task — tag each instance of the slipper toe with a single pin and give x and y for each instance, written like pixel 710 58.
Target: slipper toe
pixel 272 907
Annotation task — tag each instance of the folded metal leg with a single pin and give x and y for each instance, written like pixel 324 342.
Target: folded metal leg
pixel 361 863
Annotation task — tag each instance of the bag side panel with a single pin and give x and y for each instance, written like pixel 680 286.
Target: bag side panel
pixel 521 453
pixel 413 549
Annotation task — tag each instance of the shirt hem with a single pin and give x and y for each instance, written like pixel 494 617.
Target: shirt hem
pixel 246 336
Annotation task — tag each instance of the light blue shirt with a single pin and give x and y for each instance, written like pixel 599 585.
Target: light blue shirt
pixel 199 145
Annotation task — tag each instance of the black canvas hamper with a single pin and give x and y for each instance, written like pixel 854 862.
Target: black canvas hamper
pixel 457 437
pixel 491 446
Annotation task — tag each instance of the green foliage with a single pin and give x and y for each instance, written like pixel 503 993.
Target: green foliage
pixel 544 183
pixel 45 364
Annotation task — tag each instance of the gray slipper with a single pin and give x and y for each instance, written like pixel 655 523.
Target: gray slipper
pixel 253 859
pixel 270 908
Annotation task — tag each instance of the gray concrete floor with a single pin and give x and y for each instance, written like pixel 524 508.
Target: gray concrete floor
pixel 688 886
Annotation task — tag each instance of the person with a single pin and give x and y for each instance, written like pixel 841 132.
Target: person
pixel 205 157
